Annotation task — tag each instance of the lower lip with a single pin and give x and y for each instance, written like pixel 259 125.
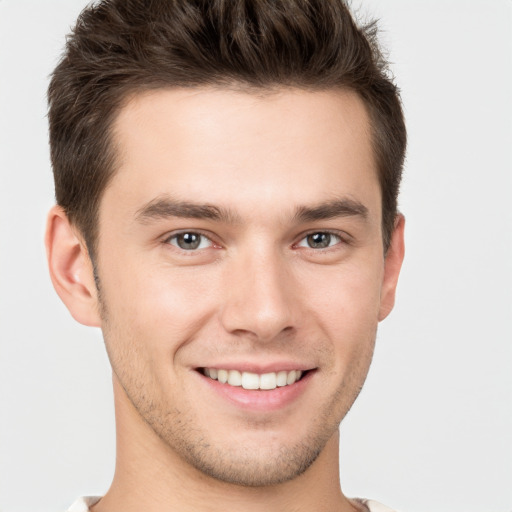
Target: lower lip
pixel 260 400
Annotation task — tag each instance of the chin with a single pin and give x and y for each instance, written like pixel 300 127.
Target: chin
pixel 265 468
pixel 253 461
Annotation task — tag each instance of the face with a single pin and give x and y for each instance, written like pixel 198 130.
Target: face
pixel 241 273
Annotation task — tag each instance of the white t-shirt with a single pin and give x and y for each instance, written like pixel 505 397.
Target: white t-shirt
pixel 83 504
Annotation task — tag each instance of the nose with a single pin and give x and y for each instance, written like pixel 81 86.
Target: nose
pixel 259 297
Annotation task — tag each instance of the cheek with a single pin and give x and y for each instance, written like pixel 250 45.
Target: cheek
pixel 346 297
pixel 346 310
pixel 155 306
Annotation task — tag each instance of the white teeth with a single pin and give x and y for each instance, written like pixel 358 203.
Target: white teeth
pixel 268 381
pixel 249 380
pixel 234 378
pixel 291 377
pixel 282 378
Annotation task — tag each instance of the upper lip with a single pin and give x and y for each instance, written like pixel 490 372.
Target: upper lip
pixel 260 368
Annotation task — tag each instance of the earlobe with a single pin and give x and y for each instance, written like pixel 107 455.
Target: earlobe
pixel 71 269
pixel 392 266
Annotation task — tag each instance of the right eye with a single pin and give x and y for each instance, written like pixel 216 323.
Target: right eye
pixel 190 241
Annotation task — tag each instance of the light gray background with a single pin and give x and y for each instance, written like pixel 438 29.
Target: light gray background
pixel 432 429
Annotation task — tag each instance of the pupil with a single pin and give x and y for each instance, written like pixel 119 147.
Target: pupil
pixel 189 241
pixel 319 240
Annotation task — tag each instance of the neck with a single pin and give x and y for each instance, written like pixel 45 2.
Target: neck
pixel 150 476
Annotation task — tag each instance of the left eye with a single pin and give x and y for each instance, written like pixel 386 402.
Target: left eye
pixel 190 241
pixel 319 240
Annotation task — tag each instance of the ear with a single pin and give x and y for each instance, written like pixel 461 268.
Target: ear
pixel 392 264
pixel 71 269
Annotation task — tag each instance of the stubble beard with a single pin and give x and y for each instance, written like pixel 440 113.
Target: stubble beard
pixel 248 466
pixel 253 466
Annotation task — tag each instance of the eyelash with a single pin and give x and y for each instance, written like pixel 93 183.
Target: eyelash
pixel 174 236
pixel 341 239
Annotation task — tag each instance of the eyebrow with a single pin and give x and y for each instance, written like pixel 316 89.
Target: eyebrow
pixel 332 209
pixel 165 207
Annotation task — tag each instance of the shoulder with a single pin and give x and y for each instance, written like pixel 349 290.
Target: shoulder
pixel 83 504
pixel 373 506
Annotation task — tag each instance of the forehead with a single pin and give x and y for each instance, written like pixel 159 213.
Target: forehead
pixel 246 149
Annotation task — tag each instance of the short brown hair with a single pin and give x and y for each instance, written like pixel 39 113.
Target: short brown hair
pixel 119 47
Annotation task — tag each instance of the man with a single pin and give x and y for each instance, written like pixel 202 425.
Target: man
pixel 226 176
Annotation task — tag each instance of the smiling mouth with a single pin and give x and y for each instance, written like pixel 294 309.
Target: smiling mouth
pixel 254 381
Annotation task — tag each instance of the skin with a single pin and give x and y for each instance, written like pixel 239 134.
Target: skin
pixel 253 292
